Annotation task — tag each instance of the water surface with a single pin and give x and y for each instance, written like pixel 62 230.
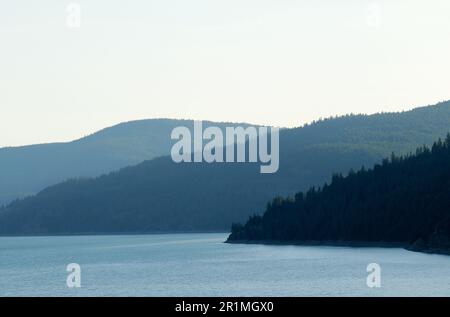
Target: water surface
pixel 202 265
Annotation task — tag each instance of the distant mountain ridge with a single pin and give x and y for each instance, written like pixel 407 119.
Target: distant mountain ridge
pixel 159 195
pixel 26 170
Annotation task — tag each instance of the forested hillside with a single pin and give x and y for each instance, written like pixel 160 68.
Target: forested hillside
pixel 159 195
pixel 403 200
pixel 28 169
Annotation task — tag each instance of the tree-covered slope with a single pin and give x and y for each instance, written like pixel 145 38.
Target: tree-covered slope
pixel 159 195
pixel 29 169
pixel 403 200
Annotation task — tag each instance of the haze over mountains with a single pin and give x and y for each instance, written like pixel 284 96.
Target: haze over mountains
pixel 28 169
pixel 159 195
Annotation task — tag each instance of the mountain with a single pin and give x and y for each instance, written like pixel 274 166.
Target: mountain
pixel 160 195
pixel 404 200
pixel 28 169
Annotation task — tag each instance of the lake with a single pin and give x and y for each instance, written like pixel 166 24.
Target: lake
pixel 202 265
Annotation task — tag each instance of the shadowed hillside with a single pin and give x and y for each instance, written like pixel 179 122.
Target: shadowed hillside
pixel 404 200
pixel 159 195
pixel 29 169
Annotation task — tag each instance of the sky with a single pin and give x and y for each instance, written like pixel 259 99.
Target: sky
pixel 271 62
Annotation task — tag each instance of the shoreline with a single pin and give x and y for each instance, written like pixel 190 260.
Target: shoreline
pixel 352 244
pixel 348 244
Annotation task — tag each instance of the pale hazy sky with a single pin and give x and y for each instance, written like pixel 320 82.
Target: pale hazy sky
pixel 278 62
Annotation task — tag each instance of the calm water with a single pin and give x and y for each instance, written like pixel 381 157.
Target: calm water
pixel 201 265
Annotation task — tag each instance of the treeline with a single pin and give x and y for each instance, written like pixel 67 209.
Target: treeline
pixel 403 200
